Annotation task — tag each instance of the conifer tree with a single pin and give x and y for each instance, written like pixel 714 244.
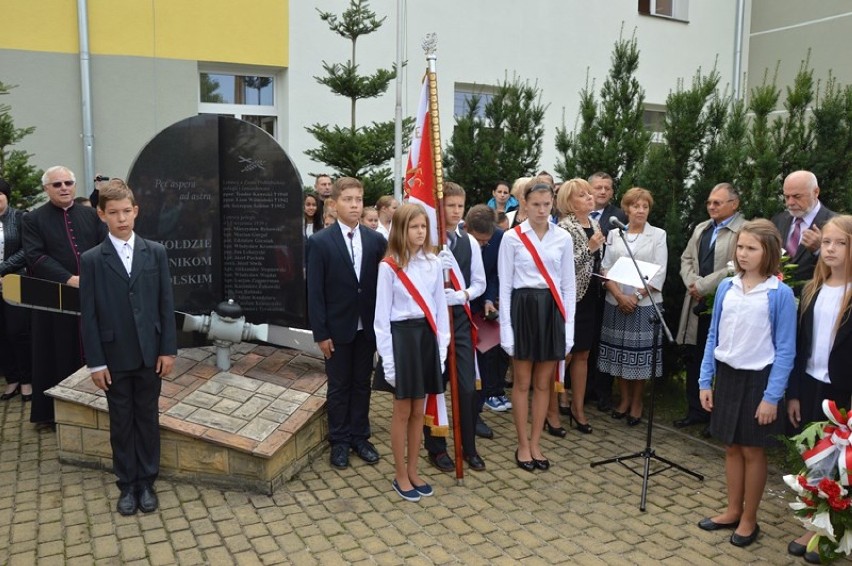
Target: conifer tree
pixel 364 151
pixel 24 178
pixel 612 135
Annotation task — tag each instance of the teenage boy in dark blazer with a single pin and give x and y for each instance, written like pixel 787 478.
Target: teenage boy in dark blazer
pixel 342 270
pixel 128 324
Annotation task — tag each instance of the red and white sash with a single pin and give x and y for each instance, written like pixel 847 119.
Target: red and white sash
pixel 435 404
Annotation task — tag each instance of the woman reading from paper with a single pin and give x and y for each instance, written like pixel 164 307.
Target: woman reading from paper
pixel 627 335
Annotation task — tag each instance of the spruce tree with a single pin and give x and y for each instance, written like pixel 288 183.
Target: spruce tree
pixel 612 135
pixel 24 178
pixel 831 156
pixel 365 151
pixel 503 145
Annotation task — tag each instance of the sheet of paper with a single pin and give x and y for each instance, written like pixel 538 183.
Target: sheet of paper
pixel 624 272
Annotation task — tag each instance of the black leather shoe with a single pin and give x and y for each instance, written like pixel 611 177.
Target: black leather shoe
pixel 633 421
pixel 812 557
pixel 483 430
pixel 541 464
pixel 604 406
pixel 147 498
pixel 12 393
pixel 475 462
pixel 127 503
pixel 688 421
pixel 796 549
pixel 708 524
pixel 743 541
pixel 442 461
pixel 367 452
pixel 706 432
pixel 340 456
pixel 527 465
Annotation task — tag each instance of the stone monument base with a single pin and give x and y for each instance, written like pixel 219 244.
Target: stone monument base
pixel 253 427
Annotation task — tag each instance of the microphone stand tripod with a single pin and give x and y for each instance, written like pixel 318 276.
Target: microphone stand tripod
pixel 648 453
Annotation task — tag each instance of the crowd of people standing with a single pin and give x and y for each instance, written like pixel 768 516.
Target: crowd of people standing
pixel 561 320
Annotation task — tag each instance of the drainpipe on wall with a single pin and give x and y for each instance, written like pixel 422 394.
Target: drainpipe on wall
pixel 397 132
pixel 86 93
pixel 736 83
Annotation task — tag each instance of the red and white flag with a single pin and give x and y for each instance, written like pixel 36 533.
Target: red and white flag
pixel 420 189
pixel 420 169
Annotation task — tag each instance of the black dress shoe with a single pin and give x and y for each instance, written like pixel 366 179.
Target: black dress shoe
pixel 708 524
pixel 367 452
pixel 604 406
pixel 12 393
pixel 127 503
pixel 442 461
pixel 147 498
pixel 706 432
pixel 541 464
pixel 483 430
pixel 340 456
pixel 633 421
pixel 527 465
pixel 688 421
pixel 812 557
pixel 796 549
pixel 557 431
pixel 743 541
pixel 475 462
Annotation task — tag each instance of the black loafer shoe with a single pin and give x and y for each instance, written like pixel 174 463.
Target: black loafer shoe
pixel 442 461
pixel 708 524
pixel 796 549
pixel 340 456
pixel 475 462
pixel 812 557
pixel 483 430
pixel 367 452
pixel 147 498
pixel 688 421
pixel 743 541
pixel 127 503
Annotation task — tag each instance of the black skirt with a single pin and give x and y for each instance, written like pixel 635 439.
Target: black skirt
pixel 417 362
pixel 812 392
pixel 538 326
pixel 736 395
pixel 585 321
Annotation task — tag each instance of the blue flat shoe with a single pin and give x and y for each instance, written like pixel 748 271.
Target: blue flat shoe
pixel 410 495
pixel 424 490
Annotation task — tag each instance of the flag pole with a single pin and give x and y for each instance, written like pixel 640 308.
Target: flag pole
pixel 430 46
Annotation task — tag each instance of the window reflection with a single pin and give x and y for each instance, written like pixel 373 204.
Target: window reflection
pixel 236 89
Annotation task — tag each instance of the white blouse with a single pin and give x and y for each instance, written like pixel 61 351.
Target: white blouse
pixel 745 331
pixel 517 270
pixel 394 302
pixel 826 309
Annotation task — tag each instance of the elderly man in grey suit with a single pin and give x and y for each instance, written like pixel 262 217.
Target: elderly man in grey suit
pixel 801 224
pixel 703 265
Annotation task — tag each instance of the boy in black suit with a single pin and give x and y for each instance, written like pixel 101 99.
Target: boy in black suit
pixel 128 322
pixel 343 267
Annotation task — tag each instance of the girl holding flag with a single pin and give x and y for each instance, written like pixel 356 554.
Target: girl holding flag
pixel 412 335
pixel 537 287
pixel 750 350
pixel 824 341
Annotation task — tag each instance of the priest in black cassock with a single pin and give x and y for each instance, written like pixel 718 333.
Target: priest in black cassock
pixel 55 236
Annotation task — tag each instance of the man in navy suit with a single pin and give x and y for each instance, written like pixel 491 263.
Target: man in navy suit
pixel 129 337
pixel 602 191
pixel 800 225
pixel 343 266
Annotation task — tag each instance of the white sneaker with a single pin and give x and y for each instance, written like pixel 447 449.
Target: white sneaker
pixel 506 402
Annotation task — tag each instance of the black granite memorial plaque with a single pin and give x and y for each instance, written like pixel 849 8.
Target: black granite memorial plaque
pixel 225 200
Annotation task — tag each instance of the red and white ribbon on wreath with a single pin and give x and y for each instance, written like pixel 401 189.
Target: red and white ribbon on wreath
pixel 835 437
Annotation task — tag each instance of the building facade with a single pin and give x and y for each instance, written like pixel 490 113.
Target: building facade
pixel 159 61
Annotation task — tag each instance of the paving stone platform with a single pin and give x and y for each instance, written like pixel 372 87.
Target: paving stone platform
pixel 56 514
pixel 252 427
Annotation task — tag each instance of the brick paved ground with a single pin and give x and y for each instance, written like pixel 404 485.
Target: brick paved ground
pixel 57 514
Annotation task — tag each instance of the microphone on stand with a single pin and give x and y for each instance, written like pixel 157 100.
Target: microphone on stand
pixel 616 223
